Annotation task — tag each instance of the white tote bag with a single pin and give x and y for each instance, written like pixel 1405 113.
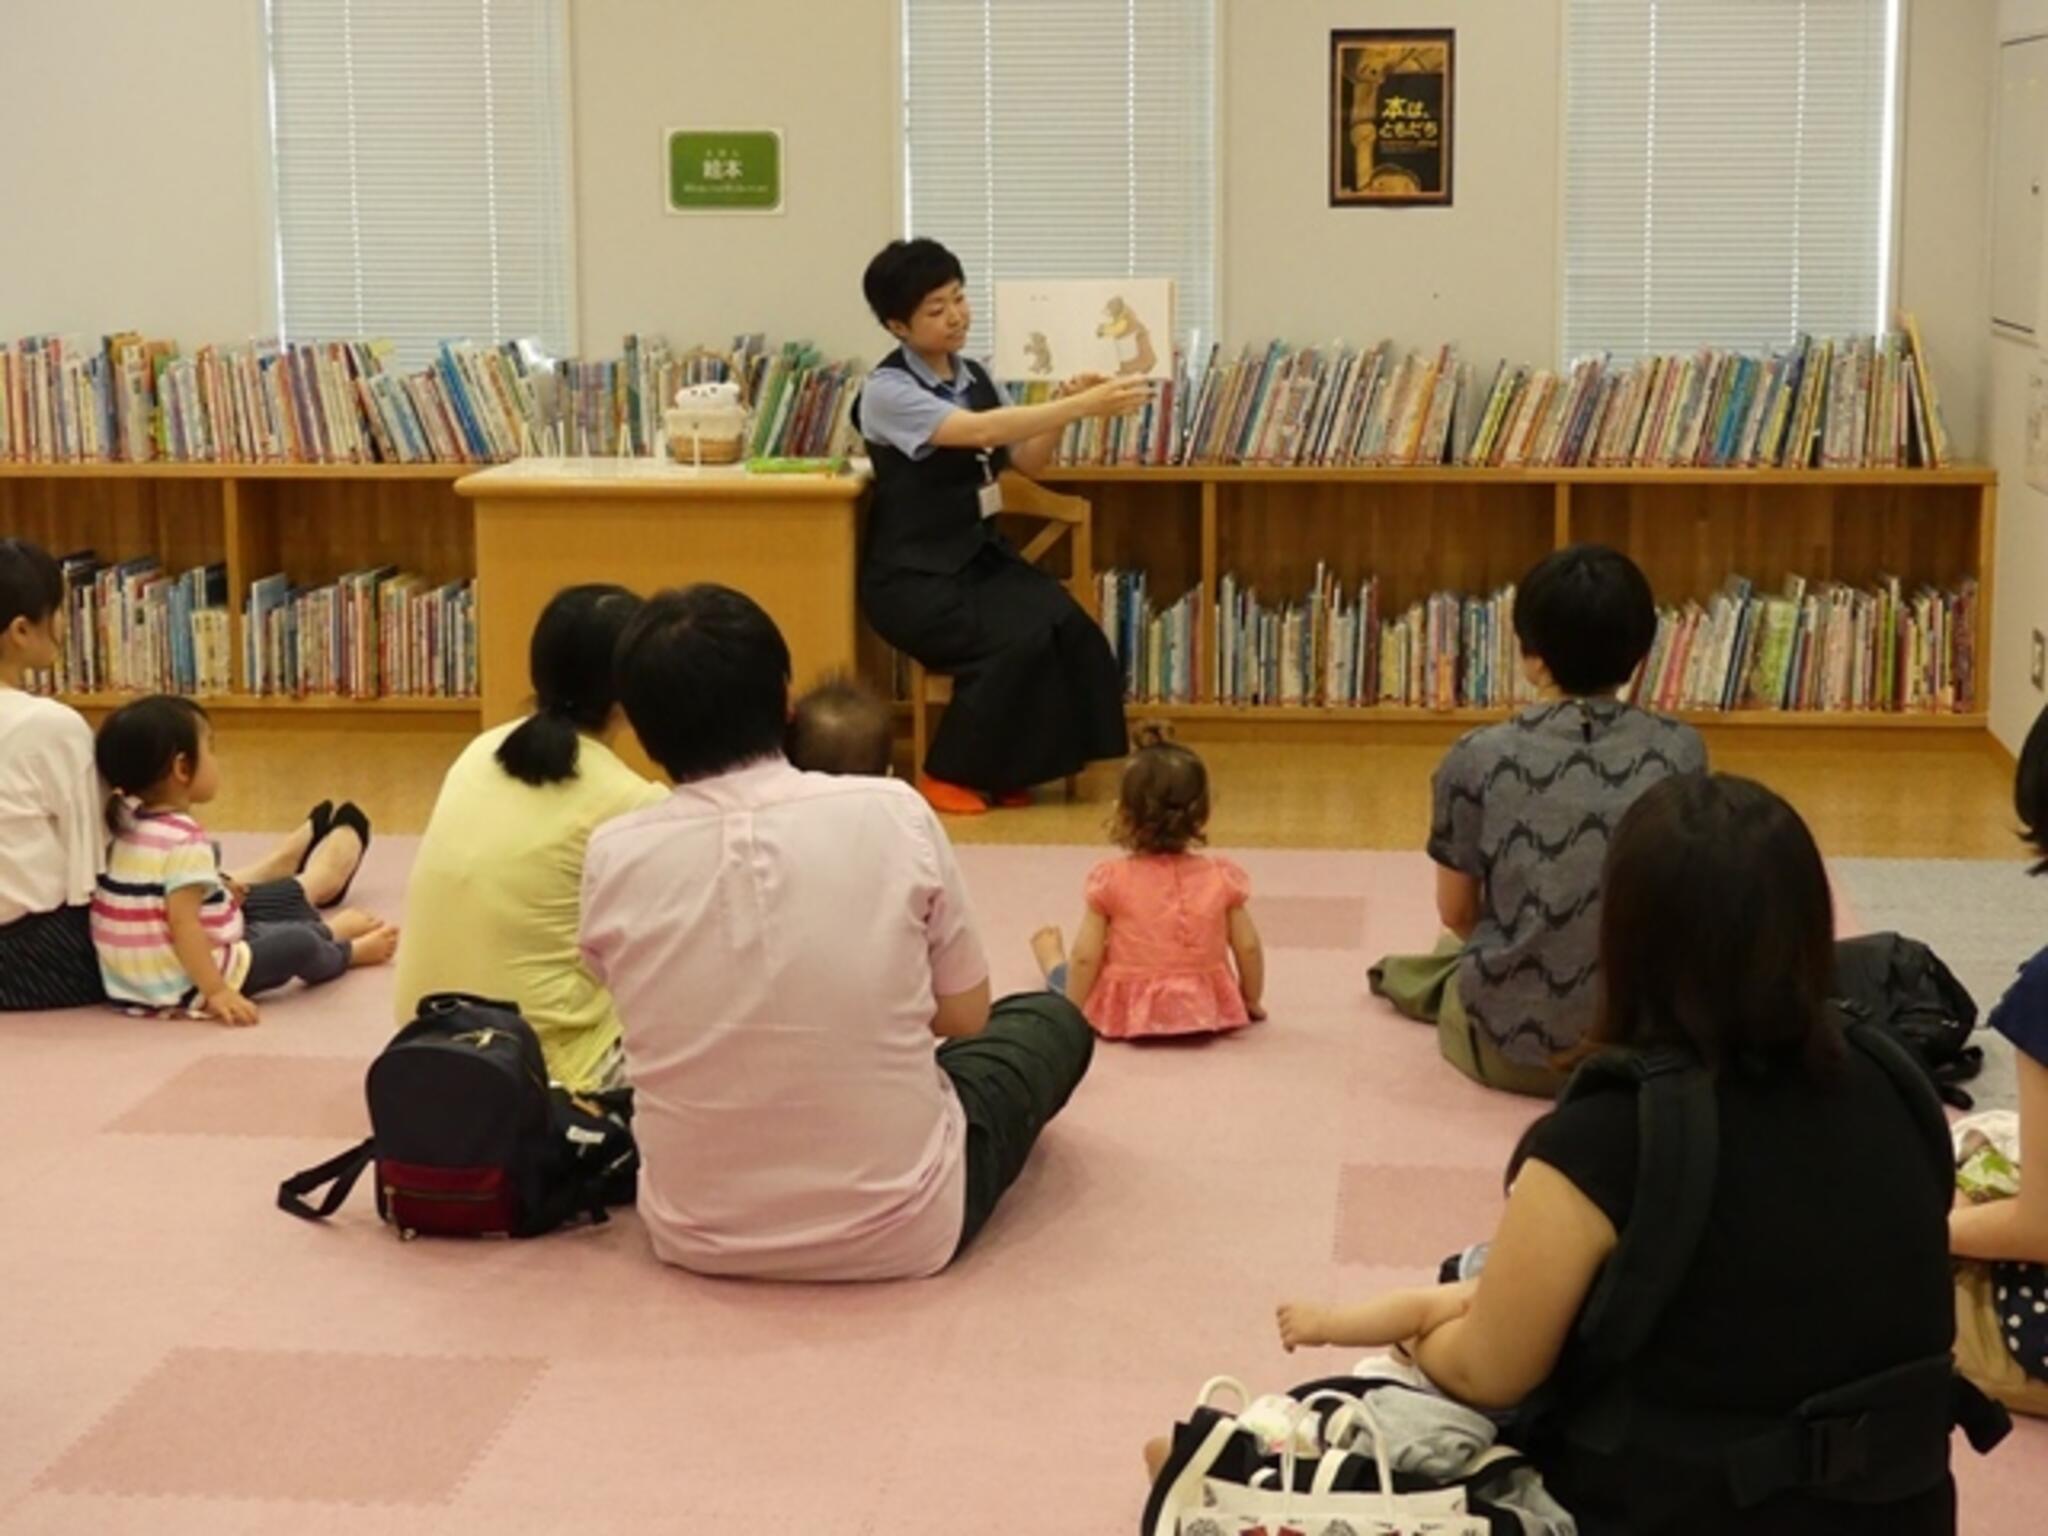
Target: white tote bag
pixel 1199 1505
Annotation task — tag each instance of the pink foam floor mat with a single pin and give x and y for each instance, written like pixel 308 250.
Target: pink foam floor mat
pixel 182 1357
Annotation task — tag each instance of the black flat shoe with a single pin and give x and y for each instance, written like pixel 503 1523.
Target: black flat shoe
pixel 349 814
pixel 322 819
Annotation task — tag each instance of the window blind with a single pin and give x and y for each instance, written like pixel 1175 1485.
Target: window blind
pixel 1064 138
pixel 419 170
pixel 1728 170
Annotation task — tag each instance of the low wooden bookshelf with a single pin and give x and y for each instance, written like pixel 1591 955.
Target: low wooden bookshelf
pixel 1473 531
pixel 1419 530
pixel 314 521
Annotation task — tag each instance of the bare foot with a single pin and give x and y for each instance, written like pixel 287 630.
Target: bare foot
pixel 374 948
pixel 333 862
pixel 282 862
pixel 1155 1456
pixel 349 923
pixel 1049 949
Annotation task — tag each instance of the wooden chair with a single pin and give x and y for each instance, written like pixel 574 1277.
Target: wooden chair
pixel 1062 518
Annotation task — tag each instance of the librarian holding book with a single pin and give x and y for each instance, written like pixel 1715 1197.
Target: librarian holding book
pixel 1037 693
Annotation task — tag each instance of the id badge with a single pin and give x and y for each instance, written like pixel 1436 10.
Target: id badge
pixel 991 495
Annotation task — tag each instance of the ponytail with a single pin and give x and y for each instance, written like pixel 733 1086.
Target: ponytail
pixel 543 750
pixel 574 692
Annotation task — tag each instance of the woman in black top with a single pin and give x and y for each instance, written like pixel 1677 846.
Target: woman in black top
pixel 1037 693
pixel 1823 1258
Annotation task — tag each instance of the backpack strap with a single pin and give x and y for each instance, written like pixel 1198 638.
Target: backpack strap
pixel 1678 1139
pixel 342 1172
pixel 1910 1078
pixel 1678 1148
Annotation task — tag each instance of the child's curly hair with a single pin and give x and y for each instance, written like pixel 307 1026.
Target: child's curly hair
pixel 1163 804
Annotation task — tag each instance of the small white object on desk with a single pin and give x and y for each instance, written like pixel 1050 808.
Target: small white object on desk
pixel 707 425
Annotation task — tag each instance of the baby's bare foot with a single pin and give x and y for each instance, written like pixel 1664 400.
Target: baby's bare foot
pixel 349 923
pixel 1048 948
pixel 374 948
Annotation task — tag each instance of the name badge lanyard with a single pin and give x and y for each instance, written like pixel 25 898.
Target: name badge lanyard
pixel 991 493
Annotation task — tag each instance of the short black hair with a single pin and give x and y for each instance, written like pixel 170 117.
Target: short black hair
pixel 842 726
pixel 704 675
pixel 570 662
pixel 139 744
pixel 2030 792
pixel 904 274
pixel 31 586
pixel 1588 614
pixel 1717 928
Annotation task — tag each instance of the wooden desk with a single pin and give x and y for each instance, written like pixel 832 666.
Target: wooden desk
pixel 787 541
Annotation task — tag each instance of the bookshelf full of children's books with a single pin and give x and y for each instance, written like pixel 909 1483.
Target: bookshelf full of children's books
pixel 1277 599
pixel 249 586
pixel 273 527
pixel 1286 539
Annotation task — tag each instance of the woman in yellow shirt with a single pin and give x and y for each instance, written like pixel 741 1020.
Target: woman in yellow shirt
pixel 496 892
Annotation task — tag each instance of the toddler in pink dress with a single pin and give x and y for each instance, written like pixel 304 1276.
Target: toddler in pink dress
pixel 1154 954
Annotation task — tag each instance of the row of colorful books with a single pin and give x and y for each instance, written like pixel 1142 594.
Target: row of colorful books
pixel 128 399
pixel 1156 647
pixel 1339 647
pixel 134 400
pixel 1153 436
pixel 132 626
pixel 1864 402
pixel 614 405
pixel 1831 646
pixel 376 633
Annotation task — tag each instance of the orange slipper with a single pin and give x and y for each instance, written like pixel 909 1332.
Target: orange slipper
pixel 950 799
pixel 1015 800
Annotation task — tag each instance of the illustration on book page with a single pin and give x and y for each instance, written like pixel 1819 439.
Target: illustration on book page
pixel 1062 327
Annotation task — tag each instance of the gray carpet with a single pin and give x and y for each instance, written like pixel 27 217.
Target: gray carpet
pixel 1984 917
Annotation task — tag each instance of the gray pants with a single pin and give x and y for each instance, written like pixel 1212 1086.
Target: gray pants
pixel 287 940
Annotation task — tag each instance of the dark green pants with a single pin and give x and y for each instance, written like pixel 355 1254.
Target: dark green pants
pixel 1012 1079
pixel 1425 988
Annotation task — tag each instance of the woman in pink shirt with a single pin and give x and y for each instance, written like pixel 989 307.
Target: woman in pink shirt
pixel 1154 954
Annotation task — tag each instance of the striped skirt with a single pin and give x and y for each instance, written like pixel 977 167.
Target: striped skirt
pixel 47 959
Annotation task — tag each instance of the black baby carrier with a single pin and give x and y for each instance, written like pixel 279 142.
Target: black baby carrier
pixel 1876 1441
pixel 470 1139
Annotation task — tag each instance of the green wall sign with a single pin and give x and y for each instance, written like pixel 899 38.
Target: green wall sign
pixel 724 170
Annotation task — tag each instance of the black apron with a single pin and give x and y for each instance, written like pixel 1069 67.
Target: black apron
pixel 1037 693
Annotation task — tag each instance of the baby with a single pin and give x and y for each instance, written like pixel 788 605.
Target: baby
pixel 841 727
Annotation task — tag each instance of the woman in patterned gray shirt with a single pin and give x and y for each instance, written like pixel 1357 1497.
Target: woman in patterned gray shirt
pixel 1523 812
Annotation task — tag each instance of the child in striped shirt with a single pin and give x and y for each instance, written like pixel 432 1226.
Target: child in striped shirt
pixel 168 925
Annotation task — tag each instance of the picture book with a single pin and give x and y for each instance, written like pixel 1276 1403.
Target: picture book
pixel 1055 329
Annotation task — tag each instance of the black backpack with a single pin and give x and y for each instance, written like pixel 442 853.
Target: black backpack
pixel 470 1139
pixel 1902 987
pixel 1882 1438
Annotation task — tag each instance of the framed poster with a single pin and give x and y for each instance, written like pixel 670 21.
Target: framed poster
pixel 1390 118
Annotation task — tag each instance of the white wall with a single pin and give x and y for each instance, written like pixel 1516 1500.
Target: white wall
pixel 133 185
pixel 2020 604
pixel 824 72
pixel 1482 273
pixel 1944 214
pixel 149 205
